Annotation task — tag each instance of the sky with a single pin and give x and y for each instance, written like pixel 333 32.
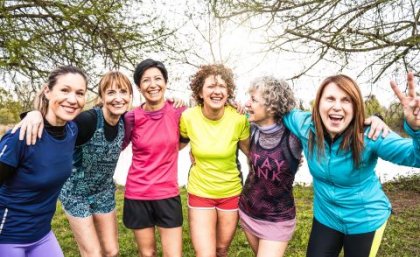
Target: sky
pixel 240 47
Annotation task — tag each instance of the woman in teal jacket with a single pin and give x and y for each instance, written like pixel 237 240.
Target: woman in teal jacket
pixel 350 207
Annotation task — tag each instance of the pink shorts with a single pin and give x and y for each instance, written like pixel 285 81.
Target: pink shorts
pixel 223 204
pixel 267 230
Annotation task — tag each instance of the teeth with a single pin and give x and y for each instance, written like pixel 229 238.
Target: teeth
pixel 336 116
pixel 154 93
pixel 69 109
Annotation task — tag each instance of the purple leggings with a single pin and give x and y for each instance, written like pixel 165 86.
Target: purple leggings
pixel 45 247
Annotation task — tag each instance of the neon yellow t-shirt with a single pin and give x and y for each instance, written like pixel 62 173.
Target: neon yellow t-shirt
pixel 214 144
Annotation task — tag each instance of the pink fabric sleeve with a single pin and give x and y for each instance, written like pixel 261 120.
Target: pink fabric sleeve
pixel 128 128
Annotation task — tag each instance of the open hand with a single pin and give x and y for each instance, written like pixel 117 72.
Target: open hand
pixel 31 127
pixel 409 102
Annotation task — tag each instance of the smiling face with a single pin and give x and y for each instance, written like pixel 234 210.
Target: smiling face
pixel 257 110
pixel 65 99
pixel 153 86
pixel 115 101
pixel 214 93
pixel 336 109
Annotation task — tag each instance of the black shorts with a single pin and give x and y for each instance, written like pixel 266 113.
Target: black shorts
pixel 165 213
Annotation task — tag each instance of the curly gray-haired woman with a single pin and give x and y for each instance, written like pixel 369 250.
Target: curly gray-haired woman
pixel 266 207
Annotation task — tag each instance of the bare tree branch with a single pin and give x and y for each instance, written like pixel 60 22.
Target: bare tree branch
pixel 335 27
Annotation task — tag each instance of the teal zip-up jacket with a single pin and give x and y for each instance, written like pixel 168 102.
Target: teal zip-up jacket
pixel 346 198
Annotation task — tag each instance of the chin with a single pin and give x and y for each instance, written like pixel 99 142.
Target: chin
pixel 217 106
pixel 118 112
pixel 156 100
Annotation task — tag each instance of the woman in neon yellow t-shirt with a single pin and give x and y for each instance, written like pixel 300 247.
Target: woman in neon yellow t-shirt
pixel 215 130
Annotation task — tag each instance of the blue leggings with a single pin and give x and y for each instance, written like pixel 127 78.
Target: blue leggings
pixel 327 242
pixel 45 247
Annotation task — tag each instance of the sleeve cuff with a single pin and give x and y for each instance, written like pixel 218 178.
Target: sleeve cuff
pixel 410 131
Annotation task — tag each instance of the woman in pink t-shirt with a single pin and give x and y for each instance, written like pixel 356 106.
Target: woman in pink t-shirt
pixel 151 194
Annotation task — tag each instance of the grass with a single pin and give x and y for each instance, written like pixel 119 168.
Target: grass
pixel 400 238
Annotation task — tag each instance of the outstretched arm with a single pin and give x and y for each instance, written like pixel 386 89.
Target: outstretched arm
pixel 409 102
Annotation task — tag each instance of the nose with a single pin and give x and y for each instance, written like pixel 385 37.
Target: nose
pixel 337 105
pixel 119 96
pixel 217 90
pixel 248 103
pixel 153 83
pixel 72 98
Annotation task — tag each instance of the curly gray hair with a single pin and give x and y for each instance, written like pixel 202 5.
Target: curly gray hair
pixel 277 95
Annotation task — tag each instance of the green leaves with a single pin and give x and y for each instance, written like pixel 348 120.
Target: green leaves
pixel 36 36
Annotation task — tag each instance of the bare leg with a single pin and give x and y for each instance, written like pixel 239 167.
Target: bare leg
pixel 268 248
pixel 253 241
pixel 146 242
pixel 203 231
pixel 106 227
pixel 85 234
pixel 171 239
pixel 226 227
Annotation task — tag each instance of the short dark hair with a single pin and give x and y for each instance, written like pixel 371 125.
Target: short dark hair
pixel 147 64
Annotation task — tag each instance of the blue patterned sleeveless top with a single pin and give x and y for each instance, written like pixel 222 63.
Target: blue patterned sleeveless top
pixel 94 162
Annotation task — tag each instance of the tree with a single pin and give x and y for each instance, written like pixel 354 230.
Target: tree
pixel 394 117
pixel 37 35
pixel 373 107
pixel 9 108
pixel 384 33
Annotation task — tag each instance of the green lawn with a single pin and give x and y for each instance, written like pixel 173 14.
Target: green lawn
pixel 400 239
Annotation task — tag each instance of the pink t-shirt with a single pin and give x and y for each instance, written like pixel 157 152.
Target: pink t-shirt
pixel 153 174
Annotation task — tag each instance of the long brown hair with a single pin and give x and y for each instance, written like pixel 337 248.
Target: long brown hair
pixel 353 134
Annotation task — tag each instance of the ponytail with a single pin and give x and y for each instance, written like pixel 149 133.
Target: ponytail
pixel 41 101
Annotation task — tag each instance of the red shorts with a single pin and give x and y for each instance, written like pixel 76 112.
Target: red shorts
pixel 224 204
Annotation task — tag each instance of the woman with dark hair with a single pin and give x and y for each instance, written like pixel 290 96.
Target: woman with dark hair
pixel 266 207
pixel 350 207
pixel 88 196
pixel 151 197
pixel 215 130
pixel 36 173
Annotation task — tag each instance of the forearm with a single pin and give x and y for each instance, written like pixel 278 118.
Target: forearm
pixel 244 146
